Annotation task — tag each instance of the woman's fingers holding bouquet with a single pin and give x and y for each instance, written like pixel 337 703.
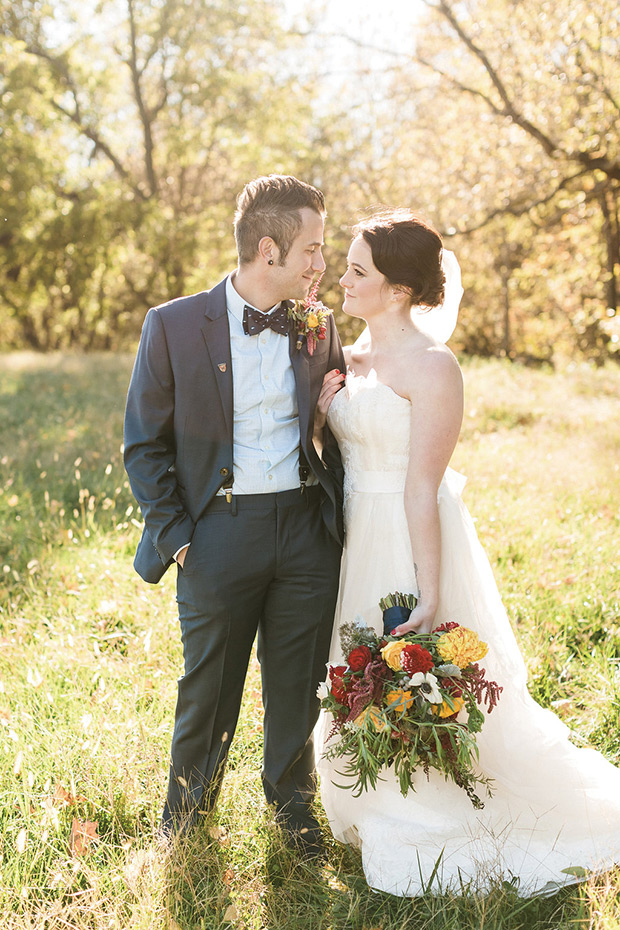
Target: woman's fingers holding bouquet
pixel 420 621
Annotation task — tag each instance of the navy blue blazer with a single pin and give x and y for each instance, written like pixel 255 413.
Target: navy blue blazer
pixel 179 422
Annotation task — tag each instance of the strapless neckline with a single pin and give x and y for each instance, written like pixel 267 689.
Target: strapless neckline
pixel 369 380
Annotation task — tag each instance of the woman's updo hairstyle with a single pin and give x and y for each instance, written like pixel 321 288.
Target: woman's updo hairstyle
pixel 407 251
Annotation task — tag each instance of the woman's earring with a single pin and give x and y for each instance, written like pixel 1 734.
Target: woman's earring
pixel 270 262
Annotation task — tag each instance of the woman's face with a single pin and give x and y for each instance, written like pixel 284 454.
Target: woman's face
pixel 366 290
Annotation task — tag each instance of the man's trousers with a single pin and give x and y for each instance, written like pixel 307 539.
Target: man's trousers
pixel 266 564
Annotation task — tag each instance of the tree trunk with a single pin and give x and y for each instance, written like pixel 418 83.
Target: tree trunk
pixel 609 208
pixel 505 273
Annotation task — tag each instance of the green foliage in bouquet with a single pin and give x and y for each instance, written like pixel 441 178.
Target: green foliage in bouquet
pixel 410 702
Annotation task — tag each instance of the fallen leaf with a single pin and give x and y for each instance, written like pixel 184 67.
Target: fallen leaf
pixel 576 870
pixel 21 841
pixel 231 913
pixel 228 877
pixel 83 833
pixel 62 797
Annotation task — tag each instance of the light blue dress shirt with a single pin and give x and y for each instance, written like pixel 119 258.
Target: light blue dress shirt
pixel 266 420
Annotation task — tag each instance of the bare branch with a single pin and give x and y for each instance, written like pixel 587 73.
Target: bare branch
pixel 549 145
pixel 591 162
pixel 90 132
pixel 358 43
pixel 142 108
pixel 521 210
pixel 472 91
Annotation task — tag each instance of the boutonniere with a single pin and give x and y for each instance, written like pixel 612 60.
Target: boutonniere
pixel 310 318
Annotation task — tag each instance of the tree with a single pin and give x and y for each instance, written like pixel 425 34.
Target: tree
pixel 540 85
pixel 501 126
pixel 139 122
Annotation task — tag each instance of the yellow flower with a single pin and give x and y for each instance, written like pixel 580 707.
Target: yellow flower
pixel 398 700
pixel 445 710
pixel 375 715
pixel 461 647
pixel 312 320
pixel 392 654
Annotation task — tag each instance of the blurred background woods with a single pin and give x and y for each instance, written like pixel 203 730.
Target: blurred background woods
pixel 129 126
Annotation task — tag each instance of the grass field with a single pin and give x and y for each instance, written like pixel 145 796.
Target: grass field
pixel 89 657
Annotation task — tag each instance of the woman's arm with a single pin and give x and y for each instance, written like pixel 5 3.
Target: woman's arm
pixel 332 382
pixel 436 394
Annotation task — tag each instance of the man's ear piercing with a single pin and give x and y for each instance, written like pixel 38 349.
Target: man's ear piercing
pixel 270 262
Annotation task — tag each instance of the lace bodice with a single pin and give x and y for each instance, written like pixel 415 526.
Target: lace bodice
pixel 372 424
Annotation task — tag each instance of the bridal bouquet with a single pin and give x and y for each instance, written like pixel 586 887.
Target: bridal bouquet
pixel 411 702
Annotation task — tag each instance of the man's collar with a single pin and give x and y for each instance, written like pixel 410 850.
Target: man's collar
pixel 235 303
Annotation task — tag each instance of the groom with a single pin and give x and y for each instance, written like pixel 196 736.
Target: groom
pixel 220 456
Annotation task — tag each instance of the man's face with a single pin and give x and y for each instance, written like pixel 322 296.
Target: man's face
pixel 304 261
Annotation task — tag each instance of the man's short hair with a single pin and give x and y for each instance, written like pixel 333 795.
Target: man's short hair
pixel 270 206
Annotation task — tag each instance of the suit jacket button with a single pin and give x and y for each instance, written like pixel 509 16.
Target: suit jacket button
pixel 223 471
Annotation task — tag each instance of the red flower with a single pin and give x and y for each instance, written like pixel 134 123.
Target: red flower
pixel 339 688
pixel 446 627
pixel 415 658
pixel 359 658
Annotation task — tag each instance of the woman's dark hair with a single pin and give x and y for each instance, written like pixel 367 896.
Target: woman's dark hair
pixel 407 251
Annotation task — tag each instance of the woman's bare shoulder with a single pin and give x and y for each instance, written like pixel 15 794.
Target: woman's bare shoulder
pixel 433 368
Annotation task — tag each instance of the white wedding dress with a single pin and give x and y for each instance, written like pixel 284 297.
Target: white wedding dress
pixel 554 807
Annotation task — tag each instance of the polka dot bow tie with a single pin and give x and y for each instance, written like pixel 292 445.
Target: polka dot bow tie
pixel 255 322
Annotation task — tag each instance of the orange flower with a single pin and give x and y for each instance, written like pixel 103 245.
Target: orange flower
pixel 445 710
pixel 461 646
pixel 398 700
pixel 373 713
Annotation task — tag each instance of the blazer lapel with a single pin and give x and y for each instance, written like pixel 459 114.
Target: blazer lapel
pixel 301 370
pixel 216 333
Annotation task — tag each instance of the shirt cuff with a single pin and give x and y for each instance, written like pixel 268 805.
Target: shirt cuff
pixel 180 549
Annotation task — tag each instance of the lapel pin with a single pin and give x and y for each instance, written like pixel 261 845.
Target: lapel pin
pixel 222 366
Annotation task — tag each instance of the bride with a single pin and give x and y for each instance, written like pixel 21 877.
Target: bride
pixel 555 809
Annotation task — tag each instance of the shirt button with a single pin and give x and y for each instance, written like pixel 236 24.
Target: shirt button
pixel 270 477
pixel 223 471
